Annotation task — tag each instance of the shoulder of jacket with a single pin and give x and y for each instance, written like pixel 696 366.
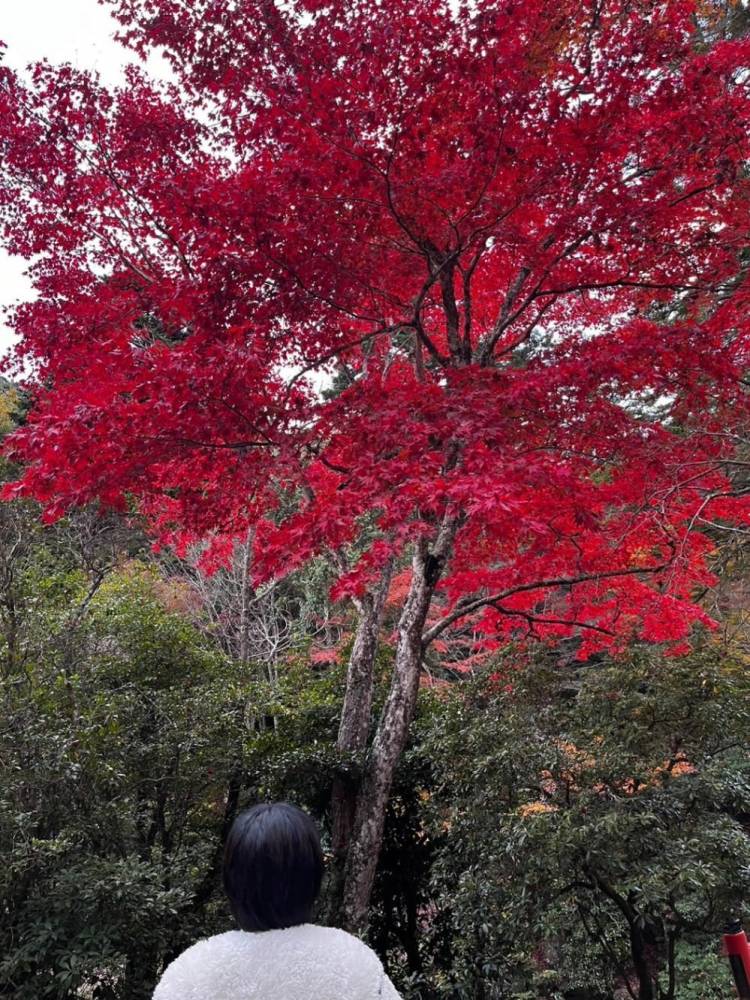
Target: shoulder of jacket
pixel 342 941
pixel 181 975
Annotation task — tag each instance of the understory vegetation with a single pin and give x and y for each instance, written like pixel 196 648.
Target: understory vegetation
pixel 557 829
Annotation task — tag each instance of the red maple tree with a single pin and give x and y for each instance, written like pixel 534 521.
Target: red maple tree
pixel 512 236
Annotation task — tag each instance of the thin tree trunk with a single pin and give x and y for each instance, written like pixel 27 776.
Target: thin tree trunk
pixel 246 594
pixel 356 718
pixel 642 971
pixel 671 969
pixel 427 565
pixel 637 944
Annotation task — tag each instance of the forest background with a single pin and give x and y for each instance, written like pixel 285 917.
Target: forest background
pixel 558 786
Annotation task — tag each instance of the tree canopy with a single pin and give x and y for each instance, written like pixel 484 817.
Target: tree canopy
pixel 511 233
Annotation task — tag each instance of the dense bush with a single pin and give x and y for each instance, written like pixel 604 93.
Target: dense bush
pixel 128 742
pixel 117 758
pixel 592 828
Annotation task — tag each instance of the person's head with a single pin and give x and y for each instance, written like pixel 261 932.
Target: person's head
pixel 273 867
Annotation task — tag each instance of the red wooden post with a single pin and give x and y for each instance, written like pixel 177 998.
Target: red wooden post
pixel 738 953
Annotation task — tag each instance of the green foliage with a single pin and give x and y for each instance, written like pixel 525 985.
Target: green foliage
pixel 703 972
pixel 117 757
pixel 128 743
pixel 591 827
pixel 9 406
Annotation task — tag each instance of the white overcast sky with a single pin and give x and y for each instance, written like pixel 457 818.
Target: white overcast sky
pixel 75 31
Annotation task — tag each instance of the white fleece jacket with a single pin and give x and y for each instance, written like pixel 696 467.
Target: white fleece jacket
pixel 298 963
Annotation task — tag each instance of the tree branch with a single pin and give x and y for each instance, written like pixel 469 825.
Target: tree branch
pixel 469 606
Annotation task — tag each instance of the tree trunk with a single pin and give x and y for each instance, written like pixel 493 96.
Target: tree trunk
pixel 427 565
pixel 353 732
pixel 246 594
pixel 627 907
pixel 640 964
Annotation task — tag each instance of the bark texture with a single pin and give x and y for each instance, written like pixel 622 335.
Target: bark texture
pixel 354 729
pixel 369 820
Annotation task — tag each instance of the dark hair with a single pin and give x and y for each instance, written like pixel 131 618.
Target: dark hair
pixel 273 867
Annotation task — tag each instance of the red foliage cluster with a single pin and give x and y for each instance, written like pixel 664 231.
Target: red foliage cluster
pixel 514 234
